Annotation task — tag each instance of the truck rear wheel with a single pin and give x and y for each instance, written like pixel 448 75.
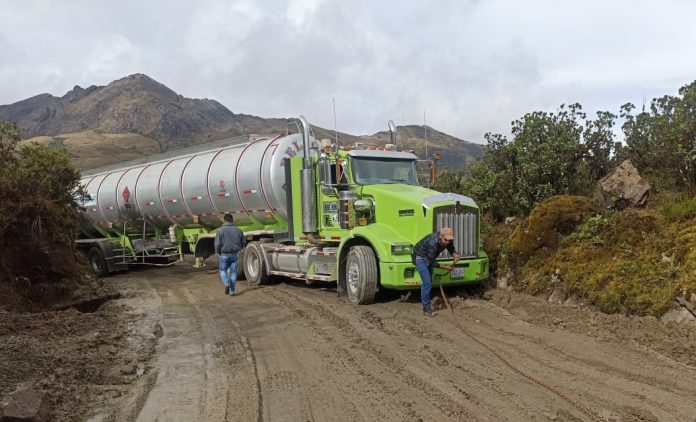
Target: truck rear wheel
pixel 240 266
pixel 361 275
pixel 97 262
pixel 254 264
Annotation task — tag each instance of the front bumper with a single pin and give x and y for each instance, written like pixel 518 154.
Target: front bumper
pixel 404 276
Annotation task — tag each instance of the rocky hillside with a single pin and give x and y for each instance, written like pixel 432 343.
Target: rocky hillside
pixel 152 114
pixel 453 151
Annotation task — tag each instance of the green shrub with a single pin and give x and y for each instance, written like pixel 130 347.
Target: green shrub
pixel 38 218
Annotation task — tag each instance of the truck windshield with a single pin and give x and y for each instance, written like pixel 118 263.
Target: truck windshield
pixel 373 171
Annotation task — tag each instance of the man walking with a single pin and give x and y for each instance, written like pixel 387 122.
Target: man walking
pixel 425 253
pixel 229 240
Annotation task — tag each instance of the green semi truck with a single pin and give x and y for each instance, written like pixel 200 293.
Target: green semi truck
pixel 310 210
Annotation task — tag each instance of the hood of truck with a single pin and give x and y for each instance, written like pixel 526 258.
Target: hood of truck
pixel 398 194
pixel 408 208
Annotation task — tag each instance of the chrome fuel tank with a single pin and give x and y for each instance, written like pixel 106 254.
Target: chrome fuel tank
pixel 193 187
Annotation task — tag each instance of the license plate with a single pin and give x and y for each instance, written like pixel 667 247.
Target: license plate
pixel 457 272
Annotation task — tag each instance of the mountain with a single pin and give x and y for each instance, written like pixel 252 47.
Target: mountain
pixel 137 116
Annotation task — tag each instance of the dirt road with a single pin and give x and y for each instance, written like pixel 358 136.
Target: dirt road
pixel 288 352
pixel 165 344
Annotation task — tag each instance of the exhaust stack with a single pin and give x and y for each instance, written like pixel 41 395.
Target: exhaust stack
pixel 392 130
pixel 309 205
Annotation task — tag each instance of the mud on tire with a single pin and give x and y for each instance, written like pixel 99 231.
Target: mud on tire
pixel 97 262
pixel 362 277
pixel 254 265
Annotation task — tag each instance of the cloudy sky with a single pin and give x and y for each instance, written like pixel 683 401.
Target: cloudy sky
pixel 471 66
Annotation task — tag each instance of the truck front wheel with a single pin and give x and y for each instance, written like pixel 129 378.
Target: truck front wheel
pixel 97 262
pixel 254 264
pixel 361 275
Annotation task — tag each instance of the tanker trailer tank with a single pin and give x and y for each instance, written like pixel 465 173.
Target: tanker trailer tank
pixel 150 211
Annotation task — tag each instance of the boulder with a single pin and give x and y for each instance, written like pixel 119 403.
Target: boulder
pixel 622 188
pixel 557 296
pixel 681 316
pixel 27 405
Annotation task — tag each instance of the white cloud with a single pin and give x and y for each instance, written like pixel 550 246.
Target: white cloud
pixel 109 56
pixel 472 66
pixel 299 12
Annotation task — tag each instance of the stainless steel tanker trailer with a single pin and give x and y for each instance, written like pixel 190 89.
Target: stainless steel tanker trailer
pixel 311 211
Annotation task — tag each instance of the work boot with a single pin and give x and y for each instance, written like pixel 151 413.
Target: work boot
pixel 227 290
pixel 428 311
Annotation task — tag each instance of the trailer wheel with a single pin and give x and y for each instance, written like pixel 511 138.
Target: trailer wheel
pixel 361 275
pixel 254 264
pixel 97 262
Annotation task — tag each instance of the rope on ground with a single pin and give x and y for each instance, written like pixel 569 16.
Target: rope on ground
pixel 591 413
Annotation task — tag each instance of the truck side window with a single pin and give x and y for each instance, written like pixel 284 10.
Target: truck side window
pixel 338 175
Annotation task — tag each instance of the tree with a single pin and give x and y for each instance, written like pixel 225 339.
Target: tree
pixel 38 215
pixel 662 141
pixel 550 154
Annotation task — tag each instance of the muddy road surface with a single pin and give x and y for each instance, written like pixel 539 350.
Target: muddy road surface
pixel 290 352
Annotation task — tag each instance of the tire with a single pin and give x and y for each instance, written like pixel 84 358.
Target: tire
pixel 97 262
pixel 362 277
pixel 255 265
pixel 240 265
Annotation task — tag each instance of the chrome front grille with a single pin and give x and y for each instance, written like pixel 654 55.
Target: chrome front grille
pixel 464 224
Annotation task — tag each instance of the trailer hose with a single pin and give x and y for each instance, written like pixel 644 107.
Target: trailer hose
pixel 591 413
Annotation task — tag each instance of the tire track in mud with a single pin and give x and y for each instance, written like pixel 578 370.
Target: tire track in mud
pixel 499 392
pixel 180 361
pixel 397 368
pixel 322 355
pixel 489 375
pixel 303 354
pixel 604 374
pixel 229 352
pixel 615 394
pixel 595 371
pixel 195 356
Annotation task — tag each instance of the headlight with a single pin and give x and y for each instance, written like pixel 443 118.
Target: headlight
pixel 401 248
pixel 363 205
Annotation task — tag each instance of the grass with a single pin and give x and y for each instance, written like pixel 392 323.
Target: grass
pixel 634 261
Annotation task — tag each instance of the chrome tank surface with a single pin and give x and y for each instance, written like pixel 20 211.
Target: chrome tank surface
pixel 192 188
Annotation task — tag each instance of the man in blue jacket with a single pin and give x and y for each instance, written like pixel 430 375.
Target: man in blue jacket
pixel 229 241
pixel 425 253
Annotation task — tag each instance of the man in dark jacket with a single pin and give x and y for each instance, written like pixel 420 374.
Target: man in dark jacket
pixel 425 253
pixel 229 240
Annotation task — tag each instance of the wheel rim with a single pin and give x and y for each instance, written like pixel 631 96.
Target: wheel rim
pixel 353 277
pixel 96 265
pixel 252 265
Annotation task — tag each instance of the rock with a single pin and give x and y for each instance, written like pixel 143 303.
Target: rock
pixel 436 303
pixel 688 302
pixel 572 301
pixel 510 220
pixel 26 405
pixel 623 187
pixel 557 296
pixel 681 316
pixel 503 280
